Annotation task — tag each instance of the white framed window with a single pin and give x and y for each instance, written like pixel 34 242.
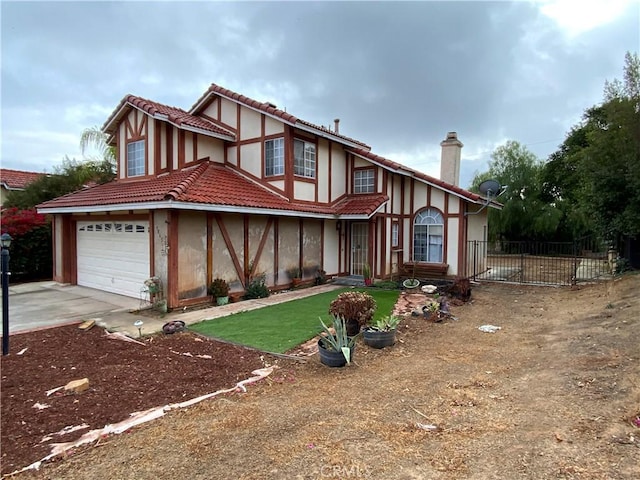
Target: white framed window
pixel 135 158
pixel 304 154
pixel 394 234
pixel 428 236
pixel 274 157
pixel 364 181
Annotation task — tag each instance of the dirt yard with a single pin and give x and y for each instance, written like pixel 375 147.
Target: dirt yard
pixel 554 394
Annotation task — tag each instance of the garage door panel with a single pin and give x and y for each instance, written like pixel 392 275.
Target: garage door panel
pixel 113 256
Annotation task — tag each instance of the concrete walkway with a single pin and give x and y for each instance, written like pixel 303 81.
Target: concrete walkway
pixel 121 314
pixel 125 323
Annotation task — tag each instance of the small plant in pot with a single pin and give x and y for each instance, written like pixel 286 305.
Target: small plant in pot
pixel 366 273
pixel 382 332
pixel 295 274
pixel 356 308
pixel 431 311
pixel 219 290
pixel 335 346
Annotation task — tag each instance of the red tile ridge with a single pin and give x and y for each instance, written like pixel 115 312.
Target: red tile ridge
pixel 423 176
pixel 184 185
pixel 270 109
pixel 18 178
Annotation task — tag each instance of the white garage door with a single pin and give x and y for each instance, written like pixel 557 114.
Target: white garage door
pixel 113 256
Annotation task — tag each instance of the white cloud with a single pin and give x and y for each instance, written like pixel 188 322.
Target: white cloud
pixel 577 17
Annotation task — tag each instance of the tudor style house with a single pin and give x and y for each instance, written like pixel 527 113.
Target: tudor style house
pixel 236 188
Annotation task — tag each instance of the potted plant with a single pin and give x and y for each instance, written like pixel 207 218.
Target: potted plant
pixel 382 332
pixel 295 275
pixel 153 285
pixel 335 346
pixel 219 290
pixel 431 311
pixel 366 273
pixel 356 308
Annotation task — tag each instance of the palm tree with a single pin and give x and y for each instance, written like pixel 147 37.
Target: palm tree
pixel 103 165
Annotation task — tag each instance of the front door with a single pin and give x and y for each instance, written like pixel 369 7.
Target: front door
pixel 359 247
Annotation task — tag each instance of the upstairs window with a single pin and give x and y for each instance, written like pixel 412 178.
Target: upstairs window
pixel 135 158
pixel 274 157
pixel 304 158
pixel 364 181
pixel 428 236
pixel 394 234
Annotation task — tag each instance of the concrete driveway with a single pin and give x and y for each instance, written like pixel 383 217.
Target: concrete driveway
pixel 45 304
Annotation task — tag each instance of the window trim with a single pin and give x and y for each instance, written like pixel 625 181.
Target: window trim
pixel 279 171
pixel 434 214
pixel 395 234
pixel 305 170
pixel 132 171
pixel 361 170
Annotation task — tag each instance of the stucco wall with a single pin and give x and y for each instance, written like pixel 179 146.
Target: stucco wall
pixel 192 255
pixel 250 158
pixel 229 115
pixel 304 191
pixel 223 265
pixel 288 246
pixel 249 123
pixel 210 147
pixel 322 162
pixel 272 126
pixel 160 245
pixel 338 172
pixel 311 248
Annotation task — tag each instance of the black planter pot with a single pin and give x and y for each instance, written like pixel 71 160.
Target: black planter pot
pixel 353 327
pixel 378 339
pixel 331 358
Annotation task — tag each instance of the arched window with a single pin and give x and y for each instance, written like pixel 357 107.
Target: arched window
pixel 428 236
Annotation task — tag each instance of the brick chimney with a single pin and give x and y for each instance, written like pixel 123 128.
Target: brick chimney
pixel 450 159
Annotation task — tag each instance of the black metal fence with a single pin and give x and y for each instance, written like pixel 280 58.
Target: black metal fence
pixel 539 263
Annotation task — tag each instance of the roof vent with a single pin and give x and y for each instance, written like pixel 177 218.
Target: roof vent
pixel 272 105
pixel 336 123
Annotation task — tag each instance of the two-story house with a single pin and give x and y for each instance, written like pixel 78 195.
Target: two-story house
pixel 236 188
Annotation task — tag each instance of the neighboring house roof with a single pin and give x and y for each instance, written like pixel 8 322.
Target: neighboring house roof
pixel 173 115
pixel 17 179
pixel 272 110
pixel 206 186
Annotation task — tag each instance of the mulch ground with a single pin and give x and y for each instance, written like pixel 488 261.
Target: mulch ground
pixel 124 377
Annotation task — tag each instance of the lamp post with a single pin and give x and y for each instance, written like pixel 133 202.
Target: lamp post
pixel 5 241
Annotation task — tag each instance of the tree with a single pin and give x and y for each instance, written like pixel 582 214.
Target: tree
pixel 525 215
pixel 70 176
pixel 595 175
pixel 95 138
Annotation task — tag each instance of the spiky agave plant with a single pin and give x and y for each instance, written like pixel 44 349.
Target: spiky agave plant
pixel 338 341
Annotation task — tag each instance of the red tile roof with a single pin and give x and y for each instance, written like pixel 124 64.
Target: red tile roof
pixel 208 183
pixel 417 174
pixel 175 115
pixel 17 179
pixel 270 109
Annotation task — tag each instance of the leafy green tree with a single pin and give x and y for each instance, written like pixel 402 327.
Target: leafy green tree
pixel 594 178
pixel 525 215
pixel 70 176
pixel 610 163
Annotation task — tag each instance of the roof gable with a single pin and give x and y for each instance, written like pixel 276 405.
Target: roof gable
pixel 173 115
pixel 273 111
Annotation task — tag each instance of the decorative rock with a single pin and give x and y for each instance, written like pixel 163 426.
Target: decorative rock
pixel 429 288
pixel 416 313
pixel 77 386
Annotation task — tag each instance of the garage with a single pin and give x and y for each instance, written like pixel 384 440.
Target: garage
pixel 113 256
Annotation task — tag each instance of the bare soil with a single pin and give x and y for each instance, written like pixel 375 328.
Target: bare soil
pixel 554 394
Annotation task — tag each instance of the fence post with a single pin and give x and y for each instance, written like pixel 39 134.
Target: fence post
pixel 475 250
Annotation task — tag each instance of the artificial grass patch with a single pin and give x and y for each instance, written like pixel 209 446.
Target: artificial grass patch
pixel 281 327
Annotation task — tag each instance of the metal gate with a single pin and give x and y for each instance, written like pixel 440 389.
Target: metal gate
pixel 539 263
pixel 359 247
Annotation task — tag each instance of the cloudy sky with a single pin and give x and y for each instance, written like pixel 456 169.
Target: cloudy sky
pixel 398 75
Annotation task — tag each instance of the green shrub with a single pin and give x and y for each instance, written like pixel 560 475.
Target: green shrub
pixel 354 306
pixel 257 288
